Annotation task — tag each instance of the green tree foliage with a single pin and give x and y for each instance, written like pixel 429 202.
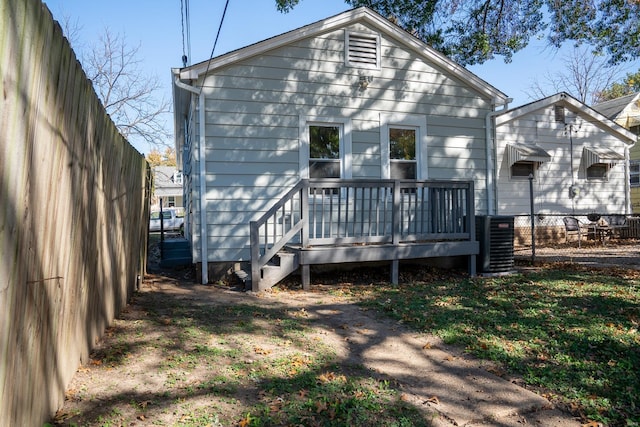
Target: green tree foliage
pixel 475 31
pixel 630 85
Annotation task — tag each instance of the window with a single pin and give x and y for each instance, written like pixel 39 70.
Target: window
pixel 634 173
pixel 324 151
pixel 177 178
pixel 403 146
pixel 362 50
pixel 597 171
pixel 522 169
pixel 402 153
pixel 171 201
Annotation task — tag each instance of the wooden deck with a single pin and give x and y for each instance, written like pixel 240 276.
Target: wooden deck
pixel 333 221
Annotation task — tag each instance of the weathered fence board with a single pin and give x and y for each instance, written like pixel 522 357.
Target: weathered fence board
pixel 73 215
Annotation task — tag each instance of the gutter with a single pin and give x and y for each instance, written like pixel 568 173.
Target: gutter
pixel 201 177
pixel 490 148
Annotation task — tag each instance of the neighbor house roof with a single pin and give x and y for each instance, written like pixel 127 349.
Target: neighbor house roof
pixel 165 182
pixel 624 110
pixel 566 100
pixel 363 15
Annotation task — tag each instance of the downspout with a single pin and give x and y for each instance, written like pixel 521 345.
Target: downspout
pixel 627 182
pixel 201 177
pixel 491 162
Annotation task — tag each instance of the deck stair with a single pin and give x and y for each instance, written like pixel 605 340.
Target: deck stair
pixel 280 266
pixel 176 252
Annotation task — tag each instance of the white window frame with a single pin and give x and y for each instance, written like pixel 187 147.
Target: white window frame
pixel 345 143
pixel 634 164
pixel 404 121
pixel 177 177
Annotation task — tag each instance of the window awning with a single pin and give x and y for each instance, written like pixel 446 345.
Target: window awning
pixel 601 155
pixel 526 153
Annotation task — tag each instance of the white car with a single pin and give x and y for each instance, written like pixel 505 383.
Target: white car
pixel 173 220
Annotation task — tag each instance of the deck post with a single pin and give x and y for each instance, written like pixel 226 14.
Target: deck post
pixel 306 276
pixel 254 236
pixel 471 225
pixel 395 273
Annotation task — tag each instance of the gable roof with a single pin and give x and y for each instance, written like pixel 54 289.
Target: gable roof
pixel 362 15
pixel 163 177
pixel 566 100
pixel 613 107
pixel 623 109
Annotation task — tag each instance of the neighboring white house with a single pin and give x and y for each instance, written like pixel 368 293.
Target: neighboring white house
pixel 626 112
pixel 167 185
pixel 579 160
pixel 350 96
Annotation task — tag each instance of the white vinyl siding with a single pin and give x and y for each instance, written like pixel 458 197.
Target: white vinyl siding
pixel 254 110
pixel 554 177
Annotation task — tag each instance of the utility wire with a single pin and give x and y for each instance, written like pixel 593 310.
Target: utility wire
pixel 185 22
pixel 224 13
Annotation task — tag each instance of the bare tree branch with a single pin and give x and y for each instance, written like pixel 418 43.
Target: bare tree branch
pixel 584 76
pixel 127 93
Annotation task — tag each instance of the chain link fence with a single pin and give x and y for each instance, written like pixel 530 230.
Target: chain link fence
pixel 548 233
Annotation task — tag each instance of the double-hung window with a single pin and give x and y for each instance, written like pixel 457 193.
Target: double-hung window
pixel 325 147
pixel 403 146
pixel 402 152
pixel 634 173
pixel 324 151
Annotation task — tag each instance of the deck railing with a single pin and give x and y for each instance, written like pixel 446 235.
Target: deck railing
pixel 318 212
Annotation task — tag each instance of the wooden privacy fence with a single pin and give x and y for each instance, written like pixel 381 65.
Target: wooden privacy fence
pixel 73 215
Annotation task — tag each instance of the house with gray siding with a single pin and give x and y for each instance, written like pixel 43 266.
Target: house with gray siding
pixel 578 160
pixel 346 140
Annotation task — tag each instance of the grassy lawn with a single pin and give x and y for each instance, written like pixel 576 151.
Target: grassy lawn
pixel 570 332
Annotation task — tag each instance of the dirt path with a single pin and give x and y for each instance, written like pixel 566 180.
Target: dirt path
pixel 132 370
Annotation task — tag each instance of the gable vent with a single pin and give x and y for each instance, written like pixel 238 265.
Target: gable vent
pixel 363 50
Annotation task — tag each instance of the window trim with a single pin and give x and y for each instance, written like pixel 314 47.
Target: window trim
pixel 407 121
pixel 633 163
pixel 345 142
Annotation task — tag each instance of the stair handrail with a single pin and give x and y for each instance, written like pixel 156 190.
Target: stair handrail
pixel 260 260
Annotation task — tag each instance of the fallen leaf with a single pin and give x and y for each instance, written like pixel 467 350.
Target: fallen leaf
pixel 432 399
pixel 427 346
pixel 260 350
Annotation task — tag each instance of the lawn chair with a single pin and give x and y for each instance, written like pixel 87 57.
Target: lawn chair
pixel 572 226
